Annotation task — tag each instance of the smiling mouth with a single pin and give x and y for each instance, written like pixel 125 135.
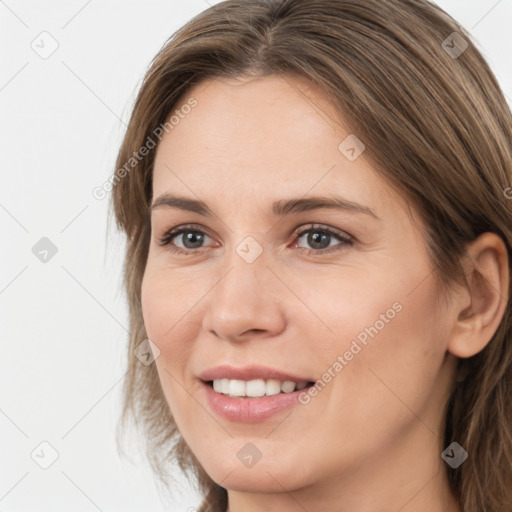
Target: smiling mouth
pixel 257 388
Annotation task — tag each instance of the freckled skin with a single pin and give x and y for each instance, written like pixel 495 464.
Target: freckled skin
pixel 371 438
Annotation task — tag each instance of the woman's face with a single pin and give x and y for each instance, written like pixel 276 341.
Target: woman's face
pixel 343 296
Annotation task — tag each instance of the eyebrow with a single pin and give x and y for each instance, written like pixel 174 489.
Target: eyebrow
pixel 279 208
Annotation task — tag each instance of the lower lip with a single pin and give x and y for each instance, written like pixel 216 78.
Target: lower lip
pixel 249 410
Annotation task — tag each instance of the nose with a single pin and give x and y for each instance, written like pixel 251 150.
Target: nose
pixel 245 302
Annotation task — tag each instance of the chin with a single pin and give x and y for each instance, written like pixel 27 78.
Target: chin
pixel 258 481
pixel 262 477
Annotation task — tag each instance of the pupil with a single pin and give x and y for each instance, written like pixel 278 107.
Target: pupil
pixel 316 238
pixel 193 237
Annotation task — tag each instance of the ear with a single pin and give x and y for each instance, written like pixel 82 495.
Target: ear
pixel 480 307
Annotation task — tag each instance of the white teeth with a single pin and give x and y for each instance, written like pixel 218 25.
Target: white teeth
pixel 255 388
pixel 237 388
pixel 273 387
pixel 288 386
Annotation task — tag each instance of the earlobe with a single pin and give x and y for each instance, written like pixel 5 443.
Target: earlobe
pixel 487 273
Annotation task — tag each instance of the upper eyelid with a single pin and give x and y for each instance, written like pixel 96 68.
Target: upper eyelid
pixel 315 225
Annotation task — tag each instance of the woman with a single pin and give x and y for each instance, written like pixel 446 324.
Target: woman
pixel 316 199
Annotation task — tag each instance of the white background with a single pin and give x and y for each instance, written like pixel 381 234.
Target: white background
pixel 64 322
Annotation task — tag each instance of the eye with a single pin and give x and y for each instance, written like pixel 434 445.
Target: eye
pixel 191 237
pixel 320 239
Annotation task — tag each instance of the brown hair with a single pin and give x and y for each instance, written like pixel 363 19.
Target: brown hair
pixel 436 126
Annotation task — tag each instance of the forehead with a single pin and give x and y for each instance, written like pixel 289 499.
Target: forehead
pixel 261 138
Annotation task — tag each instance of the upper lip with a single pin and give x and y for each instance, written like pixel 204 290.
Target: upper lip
pixel 250 373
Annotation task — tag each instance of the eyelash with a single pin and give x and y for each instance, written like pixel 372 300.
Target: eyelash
pixel 346 241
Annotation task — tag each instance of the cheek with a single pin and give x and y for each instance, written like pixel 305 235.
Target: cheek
pixel 153 307
pixel 164 310
pixel 392 354
pixel 413 339
pixel 352 313
pixel 379 322
pixel 163 313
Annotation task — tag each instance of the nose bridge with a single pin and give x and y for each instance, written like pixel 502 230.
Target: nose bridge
pixel 245 273
pixel 240 300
